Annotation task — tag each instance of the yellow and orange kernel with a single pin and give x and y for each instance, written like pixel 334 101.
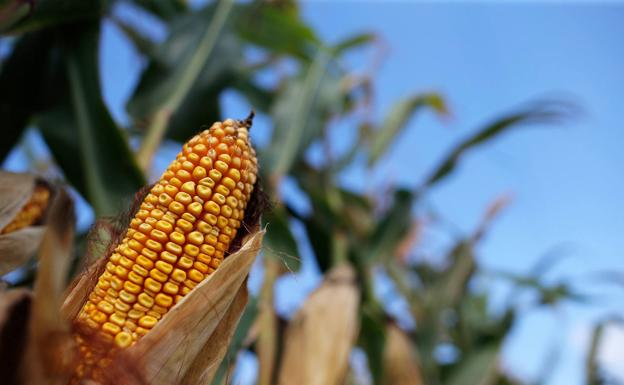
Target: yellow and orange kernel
pixel 179 235
pixel 31 212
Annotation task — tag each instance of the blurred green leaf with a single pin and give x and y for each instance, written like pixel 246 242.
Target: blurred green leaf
pixel 260 98
pixel 25 80
pixel 47 13
pixel 141 42
pixel 93 151
pixel 373 340
pixel 593 375
pixel 299 113
pixel 548 294
pixel 320 228
pixel 184 63
pixel 193 102
pixel 171 61
pixel 355 41
pixel 12 11
pixel 277 29
pixel 452 282
pixel 542 113
pixel 392 228
pixel 279 241
pixel 480 368
pixel 165 9
pixel 397 119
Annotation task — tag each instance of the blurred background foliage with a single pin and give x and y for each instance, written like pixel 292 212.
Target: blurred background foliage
pixel 50 80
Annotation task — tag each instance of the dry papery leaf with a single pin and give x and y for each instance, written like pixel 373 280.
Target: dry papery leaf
pixel 399 358
pixel 18 246
pixel 50 345
pixel 319 338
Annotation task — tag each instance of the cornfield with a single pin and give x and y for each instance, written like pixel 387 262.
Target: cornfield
pixel 156 291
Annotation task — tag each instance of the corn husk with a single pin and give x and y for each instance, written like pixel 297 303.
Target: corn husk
pixel 401 365
pixel 207 362
pixel 18 246
pixel 319 338
pixel 50 345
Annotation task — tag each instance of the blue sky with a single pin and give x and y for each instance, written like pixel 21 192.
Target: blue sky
pixel 487 59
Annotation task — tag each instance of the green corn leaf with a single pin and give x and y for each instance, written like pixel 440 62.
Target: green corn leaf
pixel 185 62
pixel 392 228
pixel 298 115
pixel 355 41
pixel 48 13
pixel 164 9
pixel 397 119
pixel 86 142
pixel 25 78
pixel 546 112
pixel 279 240
pixel 279 30
pixel 479 368
pixel 373 340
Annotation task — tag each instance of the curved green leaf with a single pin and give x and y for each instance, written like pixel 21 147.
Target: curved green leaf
pixel 299 114
pixel 277 29
pixel 392 228
pixel 544 113
pixel 355 41
pixel 397 119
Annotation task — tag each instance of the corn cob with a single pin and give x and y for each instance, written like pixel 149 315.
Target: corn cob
pixel 32 212
pixel 180 234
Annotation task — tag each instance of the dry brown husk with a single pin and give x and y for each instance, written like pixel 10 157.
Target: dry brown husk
pixel 185 347
pixel 50 347
pixel 401 365
pixel 18 246
pixel 319 338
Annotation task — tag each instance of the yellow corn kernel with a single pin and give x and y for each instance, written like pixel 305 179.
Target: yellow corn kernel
pixel 123 339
